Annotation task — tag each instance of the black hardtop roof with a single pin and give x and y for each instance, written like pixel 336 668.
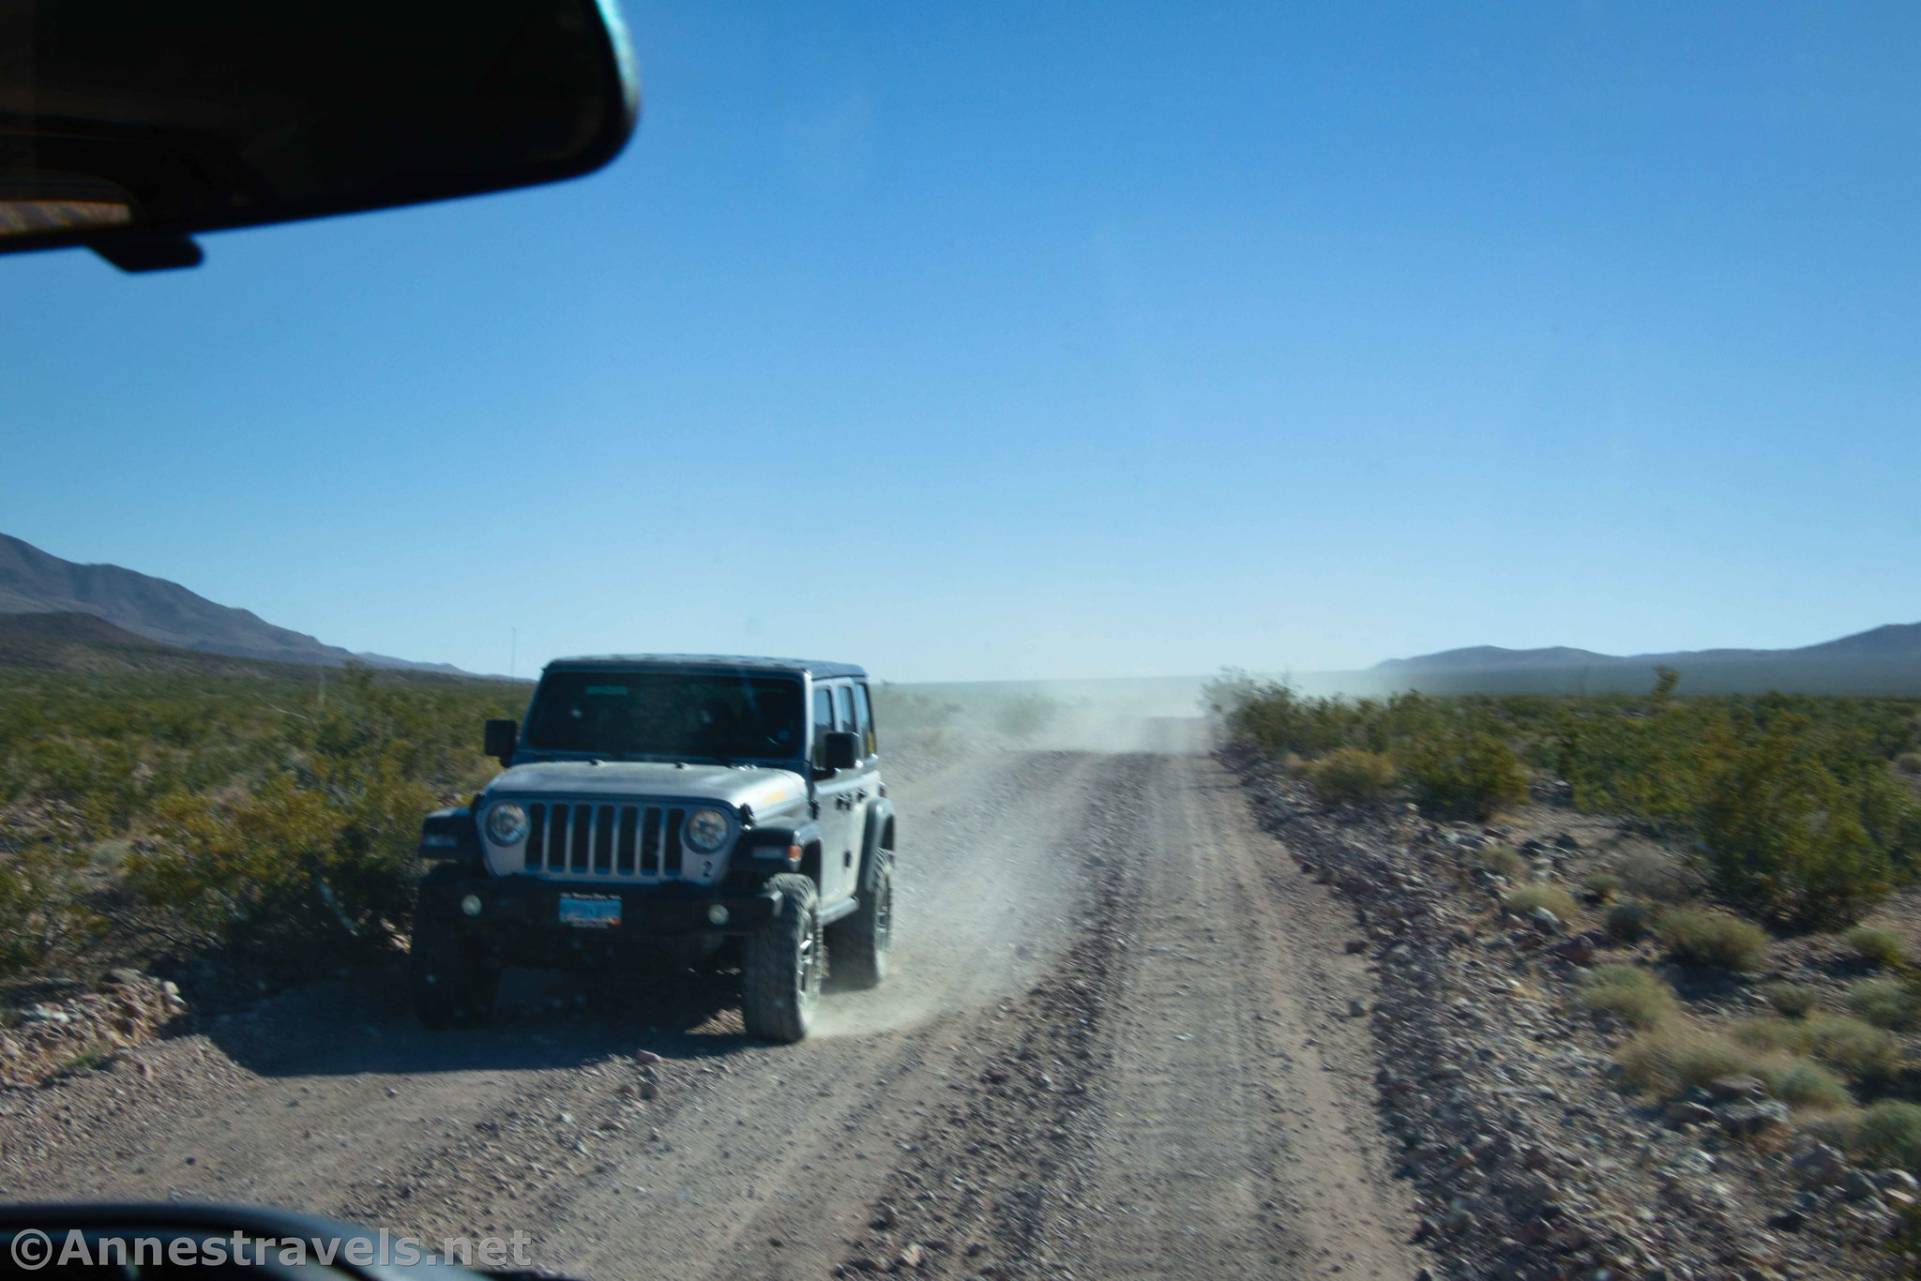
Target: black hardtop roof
pixel 710 662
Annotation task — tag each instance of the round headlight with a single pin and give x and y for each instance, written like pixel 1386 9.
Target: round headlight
pixel 506 824
pixel 706 830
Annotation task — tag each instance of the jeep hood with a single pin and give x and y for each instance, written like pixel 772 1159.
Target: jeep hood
pixel 763 787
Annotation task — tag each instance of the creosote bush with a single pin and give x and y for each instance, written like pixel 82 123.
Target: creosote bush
pixel 1472 775
pixel 44 908
pixel 318 852
pixel 1792 802
pixel 1786 836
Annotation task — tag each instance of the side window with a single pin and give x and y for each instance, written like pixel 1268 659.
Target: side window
pixel 823 721
pixel 843 708
pixel 864 718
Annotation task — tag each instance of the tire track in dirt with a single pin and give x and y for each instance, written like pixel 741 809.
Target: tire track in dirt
pixel 1183 1096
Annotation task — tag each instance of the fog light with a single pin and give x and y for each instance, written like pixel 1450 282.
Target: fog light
pixel 471 905
pixel 717 914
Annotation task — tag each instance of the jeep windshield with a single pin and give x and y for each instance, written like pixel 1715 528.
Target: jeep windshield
pixel 667 716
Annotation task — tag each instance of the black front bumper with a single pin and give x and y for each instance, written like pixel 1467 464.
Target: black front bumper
pixel 520 916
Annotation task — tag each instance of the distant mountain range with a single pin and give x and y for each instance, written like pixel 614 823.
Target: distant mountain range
pixel 34 582
pixel 1882 660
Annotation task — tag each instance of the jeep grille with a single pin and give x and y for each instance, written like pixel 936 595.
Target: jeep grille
pixel 597 838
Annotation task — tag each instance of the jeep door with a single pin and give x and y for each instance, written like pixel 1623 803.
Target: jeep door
pixel 835 795
pixel 864 778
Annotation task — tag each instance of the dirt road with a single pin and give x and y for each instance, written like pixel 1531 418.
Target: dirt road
pixel 1117 1044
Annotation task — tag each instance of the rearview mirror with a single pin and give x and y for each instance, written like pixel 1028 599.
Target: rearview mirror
pixel 841 750
pixel 127 125
pixel 500 739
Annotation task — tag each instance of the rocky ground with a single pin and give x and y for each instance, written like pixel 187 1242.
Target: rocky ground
pixel 1530 1157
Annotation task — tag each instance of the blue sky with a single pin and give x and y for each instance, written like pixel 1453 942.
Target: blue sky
pixel 1056 340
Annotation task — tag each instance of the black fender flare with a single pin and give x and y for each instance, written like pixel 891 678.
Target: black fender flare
pixel 758 867
pixel 878 834
pixel 450 835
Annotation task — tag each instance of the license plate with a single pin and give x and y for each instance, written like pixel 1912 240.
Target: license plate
pixel 590 911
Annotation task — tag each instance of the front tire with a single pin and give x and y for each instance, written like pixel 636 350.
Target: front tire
pixel 860 944
pixel 781 972
pixel 451 986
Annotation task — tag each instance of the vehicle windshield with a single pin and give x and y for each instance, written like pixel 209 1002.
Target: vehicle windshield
pixel 673 716
pixel 1131 642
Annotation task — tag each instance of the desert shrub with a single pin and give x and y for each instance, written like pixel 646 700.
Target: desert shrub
pixel 1702 936
pixel 1791 1000
pixel 242 755
pixel 1772 1033
pixel 1888 1003
pixel 43 904
pixel 1350 774
pixel 1630 764
pixel 1856 1049
pixel 1630 920
pixel 1808 1085
pixel 1859 1050
pixel 1908 763
pixel 1792 798
pixel 1675 1056
pixel 1889 1133
pixel 1469 774
pixel 317 856
pixel 1604 886
pixel 1876 947
pixel 1526 898
pixel 1630 993
pixel 1785 836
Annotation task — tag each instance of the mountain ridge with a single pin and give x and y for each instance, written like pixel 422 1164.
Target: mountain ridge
pixel 33 581
pixel 1890 640
pixel 1880 661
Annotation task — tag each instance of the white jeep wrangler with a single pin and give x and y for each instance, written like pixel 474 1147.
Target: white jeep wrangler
pixel 665 806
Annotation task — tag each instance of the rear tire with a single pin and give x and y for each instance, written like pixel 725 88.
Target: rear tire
pixel 781 972
pixel 452 987
pixel 860 944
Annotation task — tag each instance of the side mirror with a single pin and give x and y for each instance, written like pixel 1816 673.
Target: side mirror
pixel 501 738
pixel 843 749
